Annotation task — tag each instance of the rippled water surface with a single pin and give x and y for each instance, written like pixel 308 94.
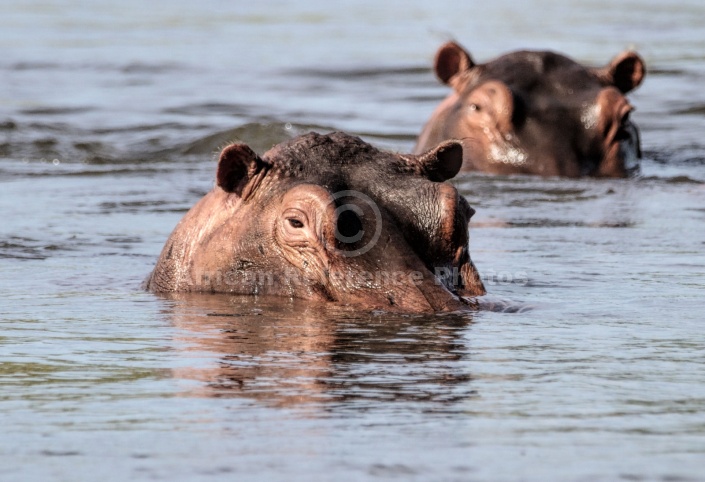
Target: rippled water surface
pixel 586 362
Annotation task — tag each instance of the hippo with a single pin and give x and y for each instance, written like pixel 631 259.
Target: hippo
pixel 536 112
pixel 329 218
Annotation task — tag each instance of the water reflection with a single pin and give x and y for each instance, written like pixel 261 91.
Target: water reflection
pixel 289 352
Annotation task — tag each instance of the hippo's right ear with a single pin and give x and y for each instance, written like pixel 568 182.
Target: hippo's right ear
pixel 442 162
pixel 451 59
pixel 626 71
pixel 237 166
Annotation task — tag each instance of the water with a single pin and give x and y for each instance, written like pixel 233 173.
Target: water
pixel 110 119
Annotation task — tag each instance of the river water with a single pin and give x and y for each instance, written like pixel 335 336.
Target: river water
pixel 110 116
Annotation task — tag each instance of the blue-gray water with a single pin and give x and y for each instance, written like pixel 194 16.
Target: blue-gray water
pixel 110 115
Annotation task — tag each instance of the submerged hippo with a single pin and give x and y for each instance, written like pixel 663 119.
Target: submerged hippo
pixel 537 113
pixel 329 218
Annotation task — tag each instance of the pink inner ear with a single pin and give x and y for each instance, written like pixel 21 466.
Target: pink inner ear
pixel 450 60
pixel 628 72
pixel 625 72
pixel 236 166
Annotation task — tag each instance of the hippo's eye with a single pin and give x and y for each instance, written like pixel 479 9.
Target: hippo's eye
pixel 474 108
pixel 295 223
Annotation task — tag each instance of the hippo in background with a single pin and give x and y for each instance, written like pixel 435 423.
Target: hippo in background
pixel 532 112
pixel 329 218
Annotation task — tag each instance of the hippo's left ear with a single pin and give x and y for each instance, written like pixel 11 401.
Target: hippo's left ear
pixel 441 163
pixel 626 71
pixel 451 59
pixel 237 166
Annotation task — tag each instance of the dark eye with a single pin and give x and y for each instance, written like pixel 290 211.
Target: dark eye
pixel 474 108
pixel 349 228
pixel 295 223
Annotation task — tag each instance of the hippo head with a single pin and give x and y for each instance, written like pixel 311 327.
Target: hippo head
pixel 537 113
pixel 329 218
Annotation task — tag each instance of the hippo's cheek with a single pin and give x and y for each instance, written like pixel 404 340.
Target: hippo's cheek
pixel 311 265
pixel 395 288
pixel 483 141
pixel 505 153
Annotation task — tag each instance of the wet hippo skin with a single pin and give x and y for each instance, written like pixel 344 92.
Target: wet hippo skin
pixel 329 218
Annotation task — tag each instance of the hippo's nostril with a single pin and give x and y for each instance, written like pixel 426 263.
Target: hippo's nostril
pixel 349 227
pixel 623 133
pixel 464 208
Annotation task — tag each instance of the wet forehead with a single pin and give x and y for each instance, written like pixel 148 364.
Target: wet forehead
pixel 340 162
pixel 336 162
pixel 316 156
pixel 539 72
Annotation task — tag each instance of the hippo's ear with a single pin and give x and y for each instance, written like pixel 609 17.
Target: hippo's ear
pixel 442 162
pixel 451 59
pixel 237 166
pixel 626 71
